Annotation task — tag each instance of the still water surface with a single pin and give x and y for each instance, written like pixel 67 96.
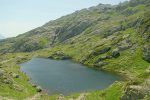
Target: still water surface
pixel 65 76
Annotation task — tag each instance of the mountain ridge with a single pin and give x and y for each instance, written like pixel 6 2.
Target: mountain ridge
pixel 112 38
pixel 68 26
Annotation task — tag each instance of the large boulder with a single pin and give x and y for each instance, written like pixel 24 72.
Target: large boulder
pixel 100 51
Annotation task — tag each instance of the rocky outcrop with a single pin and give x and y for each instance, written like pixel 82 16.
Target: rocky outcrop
pixel 100 64
pixel 133 93
pixel 124 44
pixel 60 56
pixel 137 92
pixel 103 58
pixel 72 30
pixel 100 51
pixel 97 52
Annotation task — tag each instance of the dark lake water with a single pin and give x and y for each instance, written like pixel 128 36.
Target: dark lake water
pixel 65 76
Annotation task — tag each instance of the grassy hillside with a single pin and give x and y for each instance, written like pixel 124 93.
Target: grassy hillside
pixel 105 37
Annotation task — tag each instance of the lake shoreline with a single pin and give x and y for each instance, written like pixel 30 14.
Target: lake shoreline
pixel 71 61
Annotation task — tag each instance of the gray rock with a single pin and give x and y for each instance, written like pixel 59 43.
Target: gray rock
pixel 1 72
pixel 38 89
pixel 17 87
pixel 125 44
pixel 59 55
pixel 101 51
pixel 7 81
pixel 103 58
pixel 101 64
pixel 15 75
pixel 115 53
pixel 148 70
pixel 84 59
pixel 123 47
pixel 133 93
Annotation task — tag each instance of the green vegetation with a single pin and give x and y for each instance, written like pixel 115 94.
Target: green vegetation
pixel 14 84
pixel 104 37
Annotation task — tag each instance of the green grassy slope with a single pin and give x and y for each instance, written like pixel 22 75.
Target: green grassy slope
pixel 105 37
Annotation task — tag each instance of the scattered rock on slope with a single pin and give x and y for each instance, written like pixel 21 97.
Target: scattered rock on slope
pixel 15 75
pixel 115 53
pixel 100 51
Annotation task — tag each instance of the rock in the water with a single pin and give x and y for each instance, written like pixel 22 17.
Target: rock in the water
pixel 115 53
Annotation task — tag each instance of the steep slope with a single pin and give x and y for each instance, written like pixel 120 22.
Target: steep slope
pixel 66 27
pixel 105 37
pixel 57 31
